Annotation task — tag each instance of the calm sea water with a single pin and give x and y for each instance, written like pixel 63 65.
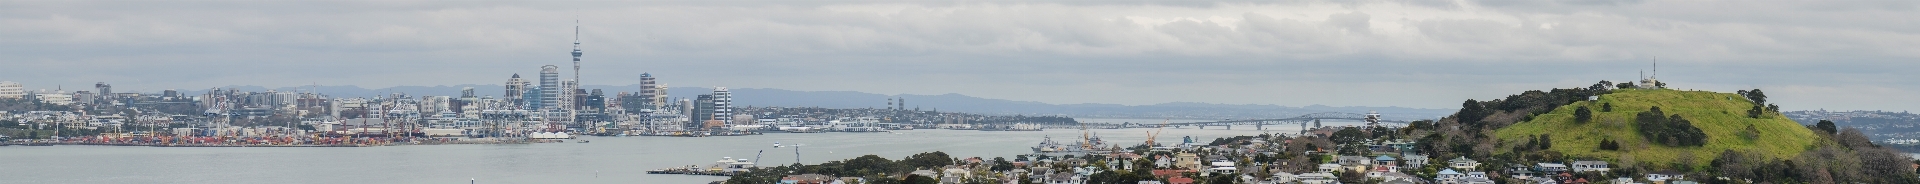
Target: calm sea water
pixel 605 160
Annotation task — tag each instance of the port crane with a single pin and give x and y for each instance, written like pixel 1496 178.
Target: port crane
pixel 1086 141
pixel 1156 132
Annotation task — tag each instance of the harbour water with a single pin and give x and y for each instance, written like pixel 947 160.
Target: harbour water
pixel 604 160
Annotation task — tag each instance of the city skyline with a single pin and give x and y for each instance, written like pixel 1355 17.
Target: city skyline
pixel 1290 53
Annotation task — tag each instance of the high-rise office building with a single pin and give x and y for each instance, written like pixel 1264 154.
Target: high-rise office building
pixel 595 100
pixel 533 98
pixel 515 88
pixel 723 105
pixel 106 93
pixel 647 92
pixel 703 108
pixel 550 86
pixel 569 95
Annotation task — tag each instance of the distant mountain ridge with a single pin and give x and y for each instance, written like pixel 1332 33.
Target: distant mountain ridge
pixel 762 97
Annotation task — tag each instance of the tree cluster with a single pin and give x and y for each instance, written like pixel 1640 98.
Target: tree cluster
pixel 1760 106
pixel 1609 144
pixel 1852 161
pixel 1582 115
pixel 1670 130
pixel 1826 126
pixel 873 168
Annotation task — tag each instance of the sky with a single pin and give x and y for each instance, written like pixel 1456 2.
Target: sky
pixel 1807 55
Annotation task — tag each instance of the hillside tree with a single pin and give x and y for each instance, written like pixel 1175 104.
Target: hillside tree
pixel 1582 114
pixel 1826 126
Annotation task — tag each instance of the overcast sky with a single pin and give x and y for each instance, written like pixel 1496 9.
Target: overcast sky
pixel 1838 55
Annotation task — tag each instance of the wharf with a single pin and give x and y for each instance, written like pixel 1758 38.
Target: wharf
pixel 687 171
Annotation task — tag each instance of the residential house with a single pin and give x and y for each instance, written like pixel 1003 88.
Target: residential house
pixel 1328 168
pixel 1162 162
pixel 1188 161
pixel 1318 178
pixel 1353 161
pixel 1066 178
pixel 809 179
pixel 1415 161
pixel 1590 166
pixel 1663 176
pixel 1463 163
pixel 954 173
pixel 1550 168
pixel 1385 163
pixel 1448 176
pixel 1520 171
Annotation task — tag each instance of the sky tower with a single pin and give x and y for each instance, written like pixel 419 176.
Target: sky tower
pixel 576 63
pixel 576 50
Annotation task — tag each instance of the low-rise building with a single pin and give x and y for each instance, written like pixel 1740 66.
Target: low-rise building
pixel 1590 166
pixel 1463 163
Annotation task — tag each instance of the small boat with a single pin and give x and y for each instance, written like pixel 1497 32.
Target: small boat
pixel 582 141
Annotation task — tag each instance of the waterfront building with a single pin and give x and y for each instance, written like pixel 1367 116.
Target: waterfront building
pixel 703 108
pixel 549 87
pixel 534 94
pixel 515 88
pixel 11 90
pixel 595 100
pixel 723 105
pixel 651 97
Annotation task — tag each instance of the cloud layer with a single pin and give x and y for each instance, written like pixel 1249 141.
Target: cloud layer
pixel 1820 54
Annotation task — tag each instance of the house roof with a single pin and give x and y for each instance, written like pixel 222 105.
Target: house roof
pixel 1551 165
pixel 1461 159
pixel 1449 172
pixel 1589 162
pixel 1383 158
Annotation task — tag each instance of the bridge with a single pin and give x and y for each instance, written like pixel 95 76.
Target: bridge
pixel 1260 124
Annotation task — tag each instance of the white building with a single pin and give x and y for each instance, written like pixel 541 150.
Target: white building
pixel 56 98
pixel 11 90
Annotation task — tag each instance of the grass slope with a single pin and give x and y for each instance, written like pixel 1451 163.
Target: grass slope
pixel 1722 116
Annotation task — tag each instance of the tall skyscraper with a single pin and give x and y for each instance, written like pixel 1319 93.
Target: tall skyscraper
pixel 723 105
pixel 569 95
pixel 550 86
pixel 515 88
pixel 647 91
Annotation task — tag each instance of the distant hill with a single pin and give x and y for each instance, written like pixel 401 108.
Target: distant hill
pixel 1722 116
pixel 944 102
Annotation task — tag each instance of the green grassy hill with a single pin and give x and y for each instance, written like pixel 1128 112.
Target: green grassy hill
pixel 1722 116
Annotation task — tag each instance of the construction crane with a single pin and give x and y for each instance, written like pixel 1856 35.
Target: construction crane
pixel 1086 141
pixel 1156 132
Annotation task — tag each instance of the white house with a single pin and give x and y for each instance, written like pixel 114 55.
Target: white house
pixel 1318 178
pixel 1590 166
pixel 1663 176
pixel 1463 163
